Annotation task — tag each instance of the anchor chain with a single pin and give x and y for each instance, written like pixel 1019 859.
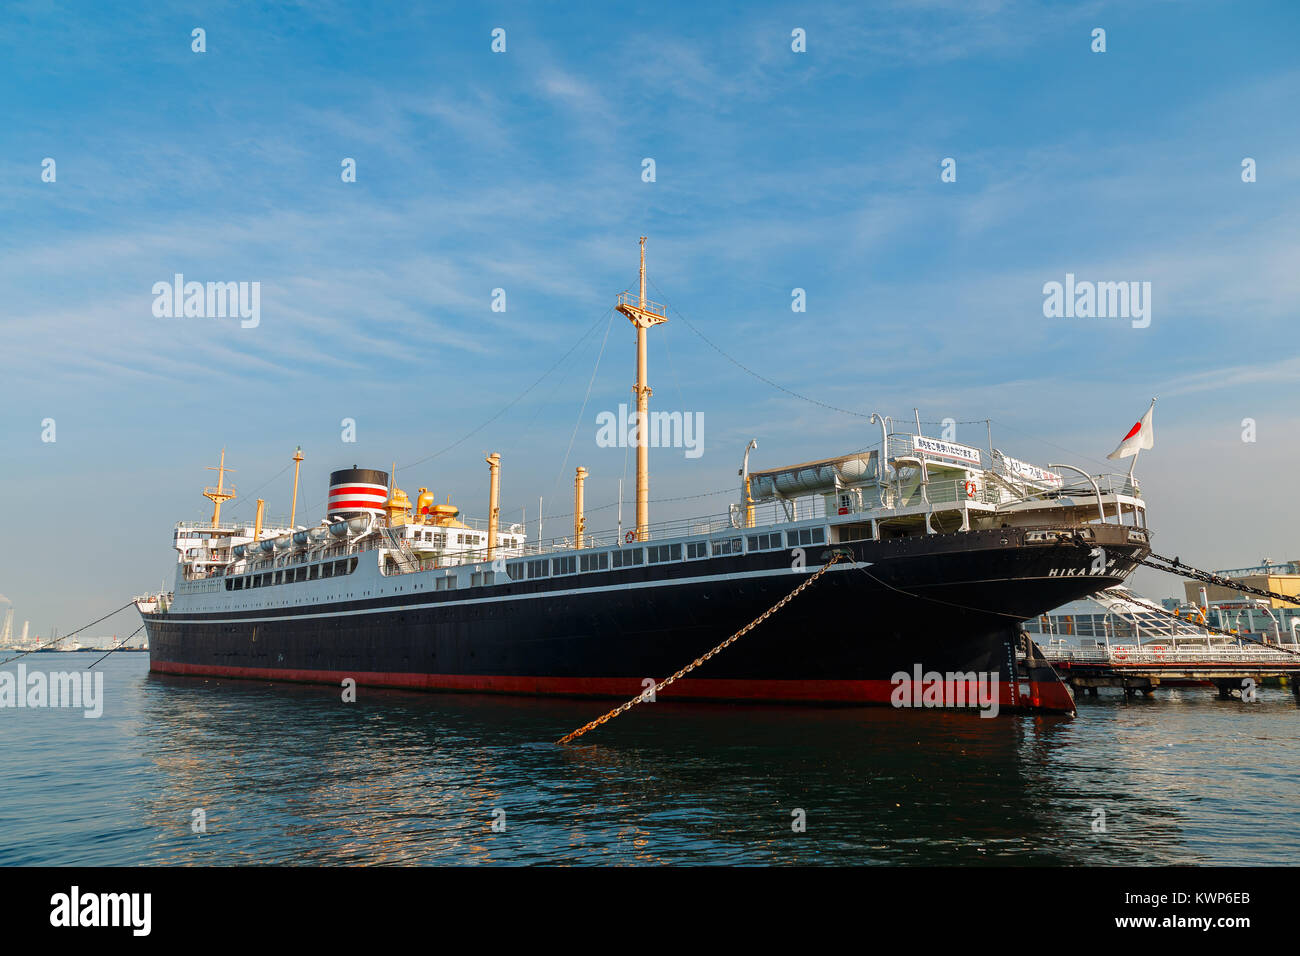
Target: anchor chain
pixel 1208 627
pixel 1174 566
pixel 836 556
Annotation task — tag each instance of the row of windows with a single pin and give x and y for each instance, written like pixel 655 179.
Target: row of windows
pixel 471 539
pixel 804 536
pixel 314 572
pixel 656 554
pixel 627 557
pixel 660 553
pixel 595 562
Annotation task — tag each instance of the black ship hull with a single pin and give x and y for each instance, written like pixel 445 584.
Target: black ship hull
pixel 928 606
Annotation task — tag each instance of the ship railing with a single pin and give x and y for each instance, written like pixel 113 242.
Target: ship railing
pixel 404 560
pixel 464 523
pixel 1128 654
pixel 1107 485
pixel 634 300
pixel 205 524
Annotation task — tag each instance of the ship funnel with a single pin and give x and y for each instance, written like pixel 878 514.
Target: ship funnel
pixel 357 491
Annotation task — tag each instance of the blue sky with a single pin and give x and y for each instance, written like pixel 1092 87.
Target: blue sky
pixel 522 171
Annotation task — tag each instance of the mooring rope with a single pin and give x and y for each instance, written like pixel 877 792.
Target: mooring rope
pixel 120 644
pixel 645 695
pixel 70 634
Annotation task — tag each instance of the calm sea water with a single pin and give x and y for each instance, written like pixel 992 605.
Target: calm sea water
pixel 290 774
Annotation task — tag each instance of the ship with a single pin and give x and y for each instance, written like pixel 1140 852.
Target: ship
pixel 934 553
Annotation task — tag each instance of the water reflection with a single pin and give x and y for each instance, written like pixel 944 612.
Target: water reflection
pixel 290 774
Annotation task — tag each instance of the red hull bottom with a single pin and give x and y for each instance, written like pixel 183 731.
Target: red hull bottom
pixel 1045 696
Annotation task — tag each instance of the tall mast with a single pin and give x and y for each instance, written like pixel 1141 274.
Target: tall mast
pixel 218 495
pixel 293 509
pixel 643 314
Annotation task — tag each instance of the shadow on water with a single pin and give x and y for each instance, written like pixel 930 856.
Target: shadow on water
pixel 289 773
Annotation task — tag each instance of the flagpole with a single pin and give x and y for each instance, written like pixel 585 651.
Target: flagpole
pixel 1138 451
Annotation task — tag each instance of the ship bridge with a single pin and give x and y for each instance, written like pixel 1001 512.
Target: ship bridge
pixel 925 485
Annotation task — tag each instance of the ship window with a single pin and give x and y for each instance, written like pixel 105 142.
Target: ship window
pixel 537 569
pixel 727 546
pixel 805 536
pixel 764 542
pixel 352 565
pixel 230 584
pixel 313 572
pixel 626 557
pixel 515 571
pixel 665 552
pixel 566 565
pixel 327 570
pixel 595 562
pixel 696 549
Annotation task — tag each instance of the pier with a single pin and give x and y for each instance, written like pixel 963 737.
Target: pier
pixel 1141 668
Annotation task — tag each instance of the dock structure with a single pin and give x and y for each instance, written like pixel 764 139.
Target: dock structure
pixel 1141 668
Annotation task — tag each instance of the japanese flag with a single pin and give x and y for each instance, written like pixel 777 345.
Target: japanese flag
pixel 1140 436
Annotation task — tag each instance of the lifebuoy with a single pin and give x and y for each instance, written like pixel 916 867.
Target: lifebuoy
pixel 1159 651
pixel 970 489
pixel 1121 653
pixel 630 537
